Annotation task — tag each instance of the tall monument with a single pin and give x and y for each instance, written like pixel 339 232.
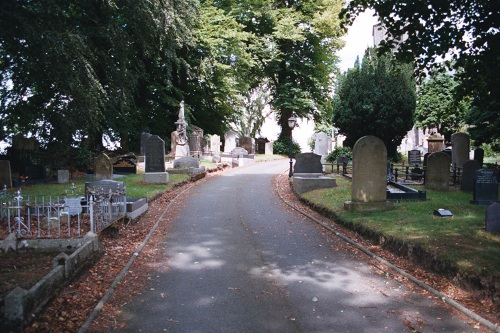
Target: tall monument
pixel 179 140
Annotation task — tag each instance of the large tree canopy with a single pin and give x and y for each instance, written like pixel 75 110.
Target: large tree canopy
pixel 468 30
pixel 376 97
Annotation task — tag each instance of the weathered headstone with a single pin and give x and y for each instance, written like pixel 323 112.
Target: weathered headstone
pixel 308 163
pixel 493 218
pixel 414 157
pixel 369 182
pixel 437 175
pixel 269 149
pixel 104 186
pixel 155 154
pixel 248 144
pixel 229 141
pixel 469 169
pixel 103 168
pixel 460 151
pixel 485 187
pixel 195 140
pixel 62 176
pixel 187 162
pixel 479 156
pixel 5 174
pixel 321 143
pixel 435 143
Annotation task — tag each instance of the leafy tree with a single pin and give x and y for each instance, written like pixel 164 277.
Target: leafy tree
pixel 251 113
pixel 73 71
pixel 437 105
pixel 468 31
pixel 376 97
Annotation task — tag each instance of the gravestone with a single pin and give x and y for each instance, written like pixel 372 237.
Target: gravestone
pixel 248 144
pixel 308 163
pixel 229 141
pixel 321 143
pixel 155 154
pixel 215 147
pixel 485 187
pixel 435 143
pixel 144 139
pixel 461 146
pixel 426 156
pixel 492 223
pixel 195 140
pixel 125 165
pixel 155 161
pixel 103 168
pixel 437 175
pixel 414 157
pixel 369 182
pixel 5 174
pixel 269 149
pixel 187 162
pixel 103 186
pixel 62 176
pixel 479 156
pixel 238 156
pixel 469 169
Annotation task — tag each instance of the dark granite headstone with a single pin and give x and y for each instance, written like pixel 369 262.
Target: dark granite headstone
pixel 308 163
pixel 467 181
pixel 35 172
pixel 125 165
pixel 485 187
pixel 414 157
pixel 426 156
pixel 493 218
pixel 479 156
pixel 155 154
pixel 5 174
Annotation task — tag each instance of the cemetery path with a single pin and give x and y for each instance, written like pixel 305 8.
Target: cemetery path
pixel 233 258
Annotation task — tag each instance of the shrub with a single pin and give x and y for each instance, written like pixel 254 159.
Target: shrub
pixel 282 147
pixel 339 151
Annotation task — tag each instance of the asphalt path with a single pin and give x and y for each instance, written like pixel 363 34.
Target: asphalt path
pixel 237 260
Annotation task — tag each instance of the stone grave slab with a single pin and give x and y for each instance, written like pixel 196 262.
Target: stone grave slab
pixel 308 163
pixel 467 181
pixel 437 175
pixel 62 176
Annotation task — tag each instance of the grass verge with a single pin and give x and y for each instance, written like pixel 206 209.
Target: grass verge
pixel 459 240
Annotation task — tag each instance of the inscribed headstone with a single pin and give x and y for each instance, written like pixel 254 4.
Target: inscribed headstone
pixel 103 168
pixel 437 175
pixel 308 163
pixel 229 141
pixel 5 174
pixel 125 164
pixel 369 170
pixel 469 169
pixel 62 176
pixel 414 157
pixel 485 187
pixel 493 218
pixel 155 154
pixel 195 139
pixel 435 143
pixel 460 151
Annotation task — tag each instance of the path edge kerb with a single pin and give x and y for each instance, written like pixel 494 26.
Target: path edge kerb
pixel 444 298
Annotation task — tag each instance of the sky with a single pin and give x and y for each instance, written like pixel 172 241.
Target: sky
pixel 358 38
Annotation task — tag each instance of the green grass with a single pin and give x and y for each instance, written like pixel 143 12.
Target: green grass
pixel 460 239
pixel 133 183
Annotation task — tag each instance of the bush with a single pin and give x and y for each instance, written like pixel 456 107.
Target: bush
pixel 339 151
pixel 282 147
